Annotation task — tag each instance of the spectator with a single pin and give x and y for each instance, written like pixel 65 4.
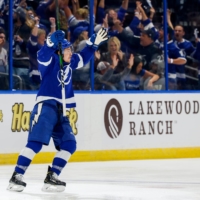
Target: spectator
pixel 143 45
pixel 36 41
pixel 80 36
pixel 30 19
pixel 21 32
pixel 80 17
pixel 105 79
pixel 188 50
pixel 48 9
pixel 3 53
pixel 176 61
pixel 81 77
pixel 112 15
pixel 141 22
pixel 138 76
pixel 160 41
pixel 113 53
pixel 3 8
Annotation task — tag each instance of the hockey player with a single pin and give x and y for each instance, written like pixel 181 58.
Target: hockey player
pixel 47 119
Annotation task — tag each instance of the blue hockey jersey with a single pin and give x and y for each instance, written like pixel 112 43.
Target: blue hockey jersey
pixel 174 52
pixel 49 67
pixel 188 49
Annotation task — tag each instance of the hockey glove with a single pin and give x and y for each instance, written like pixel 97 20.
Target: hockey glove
pixel 98 38
pixel 55 38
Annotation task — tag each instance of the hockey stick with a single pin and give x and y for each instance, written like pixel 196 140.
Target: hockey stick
pixel 61 61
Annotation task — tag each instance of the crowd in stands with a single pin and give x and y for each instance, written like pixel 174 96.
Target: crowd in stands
pixel 133 57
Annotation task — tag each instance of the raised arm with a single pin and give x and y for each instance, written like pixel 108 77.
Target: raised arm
pixel 75 5
pixel 169 19
pixel 124 36
pixel 120 76
pixel 53 24
pixel 82 58
pixel 44 55
pixel 141 10
pixel 34 31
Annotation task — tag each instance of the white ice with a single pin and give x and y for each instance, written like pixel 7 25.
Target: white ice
pixel 169 179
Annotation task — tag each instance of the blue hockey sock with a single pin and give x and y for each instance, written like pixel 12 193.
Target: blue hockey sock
pixel 26 156
pixel 61 158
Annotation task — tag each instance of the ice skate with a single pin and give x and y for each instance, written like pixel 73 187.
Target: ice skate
pixel 52 184
pixel 16 184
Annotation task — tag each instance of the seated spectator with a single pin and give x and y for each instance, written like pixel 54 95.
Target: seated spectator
pixel 104 77
pixel 113 46
pixel 3 53
pixel 113 53
pixel 140 79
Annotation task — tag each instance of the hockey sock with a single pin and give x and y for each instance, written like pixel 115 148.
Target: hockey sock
pixel 61 158
pixel 26 156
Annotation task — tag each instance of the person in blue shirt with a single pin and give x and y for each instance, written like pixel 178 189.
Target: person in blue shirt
pixel 188 50
pixel 176 62
pixel 47 118
pixel 135 80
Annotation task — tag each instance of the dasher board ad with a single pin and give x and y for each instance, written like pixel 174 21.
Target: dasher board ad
pixel 152 120
pixel 111 121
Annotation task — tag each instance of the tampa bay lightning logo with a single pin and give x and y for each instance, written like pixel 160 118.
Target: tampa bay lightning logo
pixel 67 75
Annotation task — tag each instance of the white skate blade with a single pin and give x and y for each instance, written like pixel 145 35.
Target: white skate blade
pixel 53 188
pixel 15 188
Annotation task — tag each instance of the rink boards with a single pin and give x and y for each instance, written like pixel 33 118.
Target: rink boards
pixel 111 126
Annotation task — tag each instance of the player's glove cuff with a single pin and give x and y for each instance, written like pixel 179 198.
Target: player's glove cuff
pixel 90 42
pixel 49 42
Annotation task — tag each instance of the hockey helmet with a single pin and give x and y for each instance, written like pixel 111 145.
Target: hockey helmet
pixel 66 44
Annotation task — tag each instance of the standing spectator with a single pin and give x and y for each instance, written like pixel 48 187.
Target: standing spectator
pixel 30 19
pixel 143 45
pixel 176 61
pixel 188 50
pixel 80 17
pixel 160 41
pixel 47 9
pixel 36 41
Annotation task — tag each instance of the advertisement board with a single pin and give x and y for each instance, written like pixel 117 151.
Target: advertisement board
pixel 112 126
